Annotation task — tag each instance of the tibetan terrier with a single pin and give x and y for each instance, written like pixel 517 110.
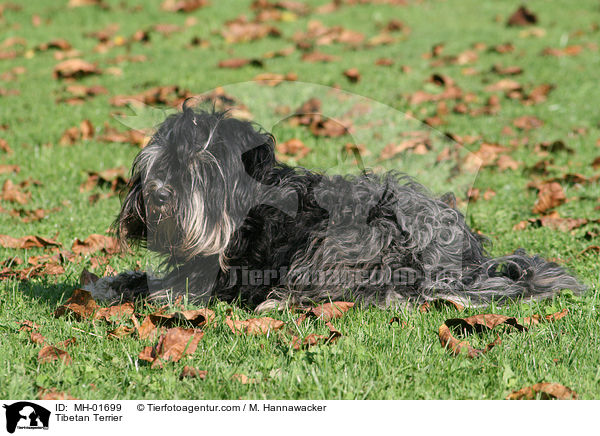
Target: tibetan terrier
pixel 231 222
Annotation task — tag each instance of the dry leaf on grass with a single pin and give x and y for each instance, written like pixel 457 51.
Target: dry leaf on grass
pixel 95 243
pixel 440 303
pixel 197 317
pixel 124 310
pixel 81 305
pixel 72 135
pixel 4 145
pixel 327 311
pixel 166 95
pixel 293 147
pixel 570 50
pixel 352 74
pixel 273 79
pixel 536 319
pixel 114 179
pixel 254 326
pixel 12 193
pixel 544 391
pixel 50 353
pixel 550 195
pixel 314 339
pixel 244 379
pixel 477 323
pixel 183 5
pixel 27 242
pixel 172 345
pixel 53 394
pixel 74 69
pixel 235 63
pixel 522 17
pixel 527 122
pixel 120 332
pixel 317 56
pixel 157 323
pixel 190 372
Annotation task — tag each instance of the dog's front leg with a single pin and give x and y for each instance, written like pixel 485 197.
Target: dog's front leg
pixel 128 285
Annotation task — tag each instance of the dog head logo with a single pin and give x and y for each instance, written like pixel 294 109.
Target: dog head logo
pixel 26 415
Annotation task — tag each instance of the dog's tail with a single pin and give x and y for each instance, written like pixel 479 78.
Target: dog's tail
pixel 513 277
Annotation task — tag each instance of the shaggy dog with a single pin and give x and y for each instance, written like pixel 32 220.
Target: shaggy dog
pixel 233 223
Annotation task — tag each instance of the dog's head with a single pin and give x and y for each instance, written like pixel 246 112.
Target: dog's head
pixel 189 187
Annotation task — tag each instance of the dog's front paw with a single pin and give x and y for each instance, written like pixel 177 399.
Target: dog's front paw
pixel 102 289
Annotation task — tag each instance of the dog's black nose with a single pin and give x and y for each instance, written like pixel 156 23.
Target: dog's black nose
pixel 161 196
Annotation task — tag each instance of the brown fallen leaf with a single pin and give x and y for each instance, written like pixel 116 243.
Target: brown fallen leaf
pixel 120 332
pixel 114 179
pixel 183 5
pixel 81 305
pixel 124 310
pixel 440 303
pixel 27 325
pixel 244 379
pixel 352 74
pixel 522 17
pixel 165 95
pixel 419 145
pixel 293 148
pixel 527 122
pixel 37 338
pixel 272 79
pixel 317 56
pixel 75 69
pixel 511 70
pixel 197 318
pixel 132 136
pixel 242 30
pixel 78 94
pixel 506 162
pixel 172 345
pixel 544 391
pixel 50 353
pixel 235 63
pixel 384 62
pixel 11 192
pixel 53 395
pixel 254 326
pixel 550 195
pixel 319 34
pixel 27 242
pixel 95 243
pixel 328 311
pixel 477 323
pixel 570 50
pixel 190 372
pixel 6 169
pixel 80 3
pixel 314 339
pixel 4 146
pixel 72 135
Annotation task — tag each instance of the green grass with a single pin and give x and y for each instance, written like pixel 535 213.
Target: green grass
pixel 373 360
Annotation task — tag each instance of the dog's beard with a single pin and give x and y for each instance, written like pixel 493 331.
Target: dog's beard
pixel 185 231
pixel 203 232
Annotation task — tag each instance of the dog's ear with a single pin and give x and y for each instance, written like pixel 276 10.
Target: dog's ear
pixel 260 158
pixel 131 224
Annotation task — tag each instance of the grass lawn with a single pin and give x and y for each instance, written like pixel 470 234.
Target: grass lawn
pixel 520 103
